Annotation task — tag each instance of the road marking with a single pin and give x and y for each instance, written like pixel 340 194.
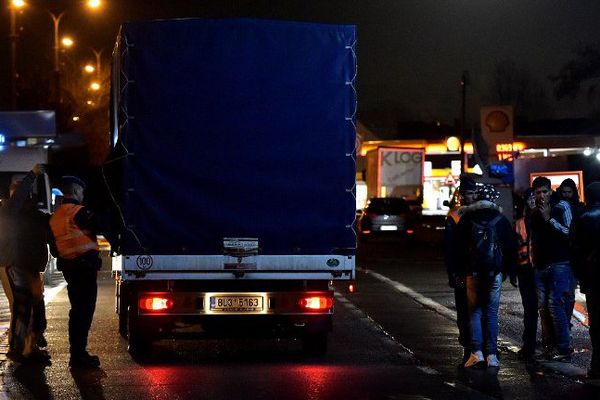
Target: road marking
pixel 564 368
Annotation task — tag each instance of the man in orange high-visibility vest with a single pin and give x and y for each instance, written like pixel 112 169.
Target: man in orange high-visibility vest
pixel 466 190
pixel 73 228
pixel 526 279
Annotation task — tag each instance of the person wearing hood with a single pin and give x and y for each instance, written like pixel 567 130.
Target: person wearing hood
pixel 486 250
pixel 456 281
pixel 568 192
pixel 526 278
pixel 550 226
pixel 585 261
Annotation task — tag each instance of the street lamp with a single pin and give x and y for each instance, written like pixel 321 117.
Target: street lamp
pixel 89 68
pixel 98 55
pixel 92 4
pixel 13 36
pixel 95 86
pixel 67 42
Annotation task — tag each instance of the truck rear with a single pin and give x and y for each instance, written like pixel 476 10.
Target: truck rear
pixel 233 170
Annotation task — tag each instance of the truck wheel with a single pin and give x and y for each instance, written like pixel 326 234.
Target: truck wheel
pixel 121 306
pixel 123 323
pixel 139 342
pixel 315 344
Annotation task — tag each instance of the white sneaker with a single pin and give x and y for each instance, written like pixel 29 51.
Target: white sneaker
pixel 492 361
pixel 474 360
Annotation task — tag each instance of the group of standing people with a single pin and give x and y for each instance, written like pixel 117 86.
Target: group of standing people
pixel 27 236
pixel 554 245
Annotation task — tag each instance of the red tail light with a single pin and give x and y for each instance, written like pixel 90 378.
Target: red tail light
pixel 156 303
pixel 410 231
pixel 365 232
pixel 316 303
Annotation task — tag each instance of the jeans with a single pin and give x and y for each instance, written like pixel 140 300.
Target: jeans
pixel 554 296
pixel 527 288
pixel 483 294
pixel 27 311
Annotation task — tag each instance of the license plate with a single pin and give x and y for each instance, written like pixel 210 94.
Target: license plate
pixel 236 303
pixel 389 228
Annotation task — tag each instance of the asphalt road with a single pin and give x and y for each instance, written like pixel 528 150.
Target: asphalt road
pixel 393 339
pixel 362 363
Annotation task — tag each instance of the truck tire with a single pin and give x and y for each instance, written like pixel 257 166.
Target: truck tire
pixel 121 307
pixel 139 342
pixel 315 344
pixel 123 323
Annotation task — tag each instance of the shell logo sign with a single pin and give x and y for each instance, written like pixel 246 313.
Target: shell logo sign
pixel 497 127
pixel 497 121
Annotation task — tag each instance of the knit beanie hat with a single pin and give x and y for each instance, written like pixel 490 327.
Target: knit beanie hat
pixel 487 192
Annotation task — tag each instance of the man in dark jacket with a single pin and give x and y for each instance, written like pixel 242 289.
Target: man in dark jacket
pixel 526 276
pixel 466 191
pixel 585 258
pixel 486 249
pixel 553 275
pixel 25 253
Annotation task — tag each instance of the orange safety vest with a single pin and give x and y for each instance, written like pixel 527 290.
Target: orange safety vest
pixel 71 241
pixel 453 213
pixel 521 231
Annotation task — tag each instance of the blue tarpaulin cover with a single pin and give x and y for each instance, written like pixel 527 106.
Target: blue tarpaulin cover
pixel 235 128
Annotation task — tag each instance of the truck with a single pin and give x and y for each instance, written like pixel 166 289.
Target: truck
pixel 396 172
pixel 233 172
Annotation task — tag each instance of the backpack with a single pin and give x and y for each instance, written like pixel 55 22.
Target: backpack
pixel 485 250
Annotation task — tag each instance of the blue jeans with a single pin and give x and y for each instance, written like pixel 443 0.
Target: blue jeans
pixel 483 294
pixel 553 286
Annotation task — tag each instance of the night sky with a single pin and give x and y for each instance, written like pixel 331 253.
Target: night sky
pixel 411 52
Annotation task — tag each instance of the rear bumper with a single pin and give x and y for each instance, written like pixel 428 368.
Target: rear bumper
pixel 235 326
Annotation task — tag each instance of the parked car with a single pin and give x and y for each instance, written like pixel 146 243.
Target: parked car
pixel 386 215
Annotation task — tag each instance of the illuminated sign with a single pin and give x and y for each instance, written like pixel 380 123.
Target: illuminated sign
pixel 506 151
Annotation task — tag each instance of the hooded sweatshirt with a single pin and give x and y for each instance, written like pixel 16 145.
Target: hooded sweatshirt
pixel 484 211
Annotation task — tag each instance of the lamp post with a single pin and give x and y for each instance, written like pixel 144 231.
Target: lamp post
pixel 464 81
pixel 56 20
pixel 98 55
pixel 13 36
pixel 93 4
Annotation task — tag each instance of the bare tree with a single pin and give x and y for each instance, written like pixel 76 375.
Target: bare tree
pixel 582 72
pixel 90 105
pixel 515 85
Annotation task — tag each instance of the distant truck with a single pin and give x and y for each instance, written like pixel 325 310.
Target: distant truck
pixel 234 171
pixel 396 172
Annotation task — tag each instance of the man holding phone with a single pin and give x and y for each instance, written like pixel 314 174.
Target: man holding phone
pixel 553 276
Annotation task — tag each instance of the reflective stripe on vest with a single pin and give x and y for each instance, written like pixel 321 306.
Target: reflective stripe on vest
pixel 521 231
pixel 453 213
pixel 71 241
